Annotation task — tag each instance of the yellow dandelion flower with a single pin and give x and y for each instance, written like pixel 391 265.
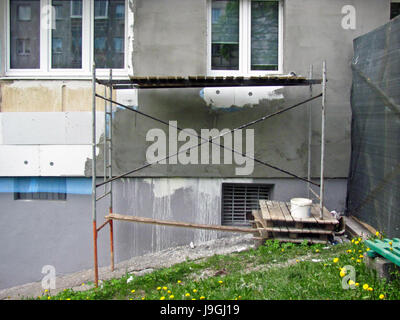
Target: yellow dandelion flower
pixel 171 296
pixel 365 286
pixel 368 249
pixel 165 288
pixel 377 233
pixel 283 250
pixel 370 289
pixel 381 296
pixel 357 242
pixel 352 258
pixel 142 298
pixel 133 291
pixel 358 260
pixel 130 298
pixel 317 250
pixel 220 281
pixel 179 281
pixel 194 290
pixel 202 297
pixel 390 242
pixel 359 251
pixel 391 248
pixel 193 299
pixel 357 284
pixel 297 260
pixel 348 251
pixel 240 297
pixel 361 256
pixel 359 239
pixel 162 298
pixel 68 298
pixel 82 284
pixel 47 290
pixel 351 282
pixel 342 273
pixel 335 260
pixel 169 291
pixel 48 298
pixel 158 288
pixel 187 295
pixel 352 240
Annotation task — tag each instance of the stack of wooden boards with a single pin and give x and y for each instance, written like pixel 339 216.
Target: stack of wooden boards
pixel 274 221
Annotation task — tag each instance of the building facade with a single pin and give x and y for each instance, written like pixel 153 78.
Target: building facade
pixel 47 49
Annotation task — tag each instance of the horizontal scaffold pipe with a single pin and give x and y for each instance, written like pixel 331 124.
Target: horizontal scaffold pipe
pixel 116 216
pixel 211 140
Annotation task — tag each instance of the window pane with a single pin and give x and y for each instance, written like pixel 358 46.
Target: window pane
pixel 109 33
pixel 225 35
pixel 25 34
pixel 66 35
pixel 394 9
pixel 264 35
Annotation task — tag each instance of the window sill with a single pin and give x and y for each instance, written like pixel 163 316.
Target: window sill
pixel 85 77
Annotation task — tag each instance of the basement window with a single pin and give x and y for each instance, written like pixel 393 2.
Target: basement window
pixel 40 188
pixel 245 37
pixel 40 196
pixel 240 199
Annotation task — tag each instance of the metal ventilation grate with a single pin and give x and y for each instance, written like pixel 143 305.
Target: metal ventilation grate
pixel 239 199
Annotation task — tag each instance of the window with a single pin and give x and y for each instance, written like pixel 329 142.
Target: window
pixel 245 37
pixel 76 9
pixel 40 188
pixel 394 8
pixel 24 12
pixel 39 196
pixel 240 199
pixel 63 37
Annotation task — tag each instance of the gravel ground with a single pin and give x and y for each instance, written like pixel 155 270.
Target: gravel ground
pixel 137 265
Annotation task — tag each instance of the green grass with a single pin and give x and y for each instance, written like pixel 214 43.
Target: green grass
pixel 274 271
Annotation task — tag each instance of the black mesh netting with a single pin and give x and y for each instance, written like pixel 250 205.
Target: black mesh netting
pixel 374 179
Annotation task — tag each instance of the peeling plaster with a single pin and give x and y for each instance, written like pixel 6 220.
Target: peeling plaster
pixel 166 187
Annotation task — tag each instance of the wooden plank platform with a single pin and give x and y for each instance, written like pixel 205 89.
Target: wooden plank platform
pixel 200 81
pixel 275 221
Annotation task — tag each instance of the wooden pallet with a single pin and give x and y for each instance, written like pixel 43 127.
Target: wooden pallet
pixel 275 221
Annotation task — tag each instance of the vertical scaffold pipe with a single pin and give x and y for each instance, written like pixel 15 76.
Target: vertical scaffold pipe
pixel 96 273
pixel 323 115
pixel 110 115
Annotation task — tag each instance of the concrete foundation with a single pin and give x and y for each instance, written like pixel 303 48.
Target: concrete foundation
pixel 385 269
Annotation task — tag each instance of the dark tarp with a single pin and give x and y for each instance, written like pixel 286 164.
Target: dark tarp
pixel 374 179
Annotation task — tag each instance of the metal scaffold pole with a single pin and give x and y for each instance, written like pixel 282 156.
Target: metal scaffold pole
pixel 309 137
pixel 323 116
pixel 96 274
pixel 109 132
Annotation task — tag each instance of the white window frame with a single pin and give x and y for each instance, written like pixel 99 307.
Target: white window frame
pixel 46 71
pixel 244 43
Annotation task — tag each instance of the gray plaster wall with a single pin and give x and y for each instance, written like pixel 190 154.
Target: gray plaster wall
pixel 196 200
pixel 170 39
pixel 38 233
pixel 59 233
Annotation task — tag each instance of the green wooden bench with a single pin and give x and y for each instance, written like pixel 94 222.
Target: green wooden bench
pixel 387 248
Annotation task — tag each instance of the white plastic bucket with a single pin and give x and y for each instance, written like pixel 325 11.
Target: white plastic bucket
pixel 300 207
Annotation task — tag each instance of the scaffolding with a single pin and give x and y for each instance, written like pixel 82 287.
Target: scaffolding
pixel 189 82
